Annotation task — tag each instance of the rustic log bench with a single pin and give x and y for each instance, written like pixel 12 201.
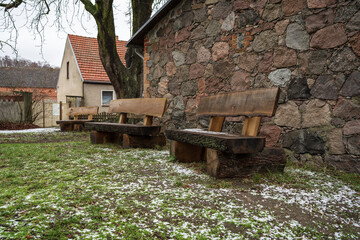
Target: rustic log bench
pixel 131 135
pixel 77 124
pixel 231 155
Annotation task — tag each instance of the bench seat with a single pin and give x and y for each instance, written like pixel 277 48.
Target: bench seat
pixel 128 135
pixel 77 124
pixel 74 121
pixel 225 142
pixel 72 125
pixel 139 130
pixel 226 154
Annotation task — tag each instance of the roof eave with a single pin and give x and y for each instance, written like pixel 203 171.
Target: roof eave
pixel 137 40
pixel 97 82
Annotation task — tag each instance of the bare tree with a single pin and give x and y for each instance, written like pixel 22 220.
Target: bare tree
pixel 21 62
pixel 125 79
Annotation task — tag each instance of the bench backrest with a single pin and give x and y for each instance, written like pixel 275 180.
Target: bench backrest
pixel 89 111
pixel 253 104
pixel 149 107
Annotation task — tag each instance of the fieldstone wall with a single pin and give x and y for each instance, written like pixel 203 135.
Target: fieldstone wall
pixel 309 48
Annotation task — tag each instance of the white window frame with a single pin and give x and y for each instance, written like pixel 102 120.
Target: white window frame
pixel 113 96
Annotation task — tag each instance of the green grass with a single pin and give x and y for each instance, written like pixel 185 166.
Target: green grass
pixel 62 189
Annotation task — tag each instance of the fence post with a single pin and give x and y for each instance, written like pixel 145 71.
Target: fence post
pixel 43 105
pixel 27 106
pixel 60 110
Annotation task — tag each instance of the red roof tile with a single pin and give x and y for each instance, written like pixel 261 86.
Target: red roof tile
pixel 86 52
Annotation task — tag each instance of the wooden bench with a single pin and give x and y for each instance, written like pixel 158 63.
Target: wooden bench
pixel 77 124
pixel 231 155
pixel 131 135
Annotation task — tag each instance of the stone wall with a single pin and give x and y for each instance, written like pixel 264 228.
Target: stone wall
pixel 309 48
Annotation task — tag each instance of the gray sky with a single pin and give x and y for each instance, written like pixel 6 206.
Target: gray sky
pixel 29 45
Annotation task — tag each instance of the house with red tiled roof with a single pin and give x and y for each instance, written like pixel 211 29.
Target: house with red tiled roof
pixel 82 78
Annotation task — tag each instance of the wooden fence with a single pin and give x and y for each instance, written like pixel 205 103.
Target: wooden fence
pixel 103 117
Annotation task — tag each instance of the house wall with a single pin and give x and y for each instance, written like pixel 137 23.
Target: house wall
pixel 72 86
pixel 308 48
pixel 92 95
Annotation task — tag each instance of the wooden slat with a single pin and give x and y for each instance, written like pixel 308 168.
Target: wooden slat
pixel 146 106
pixel 123 118
pixel 148 120
pixel 251 126
pixel 74 111
pixel 254 102
pixel 216 124
pixel 73 121
pixel 223 142
pixel 124 128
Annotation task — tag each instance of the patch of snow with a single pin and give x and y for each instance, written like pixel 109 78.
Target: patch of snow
pixel 33 130
pixel 198 130
pixel 327 199
pixel 28 196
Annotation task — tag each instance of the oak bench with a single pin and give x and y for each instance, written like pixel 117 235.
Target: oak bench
pixel 146 135
pixel 77 124
pixel 231 155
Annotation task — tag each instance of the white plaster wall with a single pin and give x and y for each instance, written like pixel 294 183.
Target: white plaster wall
pixel 92 95
pixel 72 86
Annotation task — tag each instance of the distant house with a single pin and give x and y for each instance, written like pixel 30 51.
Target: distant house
pixel 39 81
pixel 82 78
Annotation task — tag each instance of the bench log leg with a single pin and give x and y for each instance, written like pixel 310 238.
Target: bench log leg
pixel 105 137
pixel 66 127
pixel 185 152
pixel 226 165
pixel 79 127
pixel 133 141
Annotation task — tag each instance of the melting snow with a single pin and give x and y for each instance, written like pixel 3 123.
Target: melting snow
pixel 33 130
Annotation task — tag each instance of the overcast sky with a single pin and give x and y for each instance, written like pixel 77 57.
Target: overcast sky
pixel 29 45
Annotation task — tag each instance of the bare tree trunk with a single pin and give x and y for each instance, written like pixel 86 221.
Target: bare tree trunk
pixel 126 81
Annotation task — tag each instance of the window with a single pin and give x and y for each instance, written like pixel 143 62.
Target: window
pixel 67 71
pixel 106 97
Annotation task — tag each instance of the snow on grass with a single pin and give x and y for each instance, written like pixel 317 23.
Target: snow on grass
pixel 33 130
pixel 321 195
pixel 87 191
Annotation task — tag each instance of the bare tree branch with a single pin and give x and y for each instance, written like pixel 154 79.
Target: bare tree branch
pixel 90 7
pixel 126 82
pixel 12 4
